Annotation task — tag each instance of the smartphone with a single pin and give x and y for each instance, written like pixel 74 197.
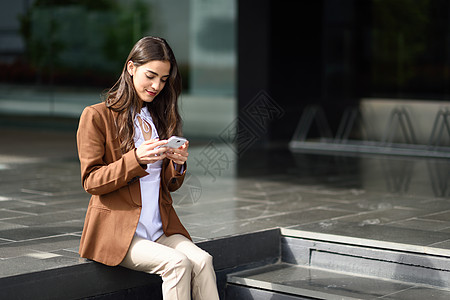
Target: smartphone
pixel 175 142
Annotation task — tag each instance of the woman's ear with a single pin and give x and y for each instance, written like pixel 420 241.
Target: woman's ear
pixel 131 68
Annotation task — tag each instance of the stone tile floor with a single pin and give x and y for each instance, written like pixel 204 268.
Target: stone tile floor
pixel 393 199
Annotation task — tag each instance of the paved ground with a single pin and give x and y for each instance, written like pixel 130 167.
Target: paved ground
pixel 42 204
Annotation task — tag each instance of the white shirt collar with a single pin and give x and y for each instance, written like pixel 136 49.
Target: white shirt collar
pixel 145 115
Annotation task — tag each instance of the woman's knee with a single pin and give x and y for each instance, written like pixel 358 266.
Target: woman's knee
pixel 181 261
pixel 208 259
pixel 205 260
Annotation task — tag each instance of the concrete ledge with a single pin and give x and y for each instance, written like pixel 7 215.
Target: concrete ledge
pixel 364 242
pixel 74 282
pixel 96 281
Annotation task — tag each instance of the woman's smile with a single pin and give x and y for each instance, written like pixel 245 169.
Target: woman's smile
pixel 153 94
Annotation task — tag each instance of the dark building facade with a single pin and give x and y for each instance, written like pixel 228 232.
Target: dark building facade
pixel 335 53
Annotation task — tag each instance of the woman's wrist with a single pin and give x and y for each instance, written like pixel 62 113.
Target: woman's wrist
pixel 144 166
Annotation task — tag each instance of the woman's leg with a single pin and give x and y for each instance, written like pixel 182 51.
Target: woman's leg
pixel 173 266
pixel 204 286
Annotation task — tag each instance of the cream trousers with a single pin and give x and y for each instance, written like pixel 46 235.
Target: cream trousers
pixel 185 268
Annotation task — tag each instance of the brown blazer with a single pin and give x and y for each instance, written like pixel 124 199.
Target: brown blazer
pixel 112 179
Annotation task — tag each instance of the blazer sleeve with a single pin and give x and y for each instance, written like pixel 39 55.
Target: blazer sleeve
pixel 99 176
pixel 172 178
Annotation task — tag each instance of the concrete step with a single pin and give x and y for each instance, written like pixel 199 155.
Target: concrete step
pixel 284 281
pixel 316 265
pixel 411 264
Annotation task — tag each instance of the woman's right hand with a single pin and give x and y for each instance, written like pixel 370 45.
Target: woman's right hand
pixel 147 154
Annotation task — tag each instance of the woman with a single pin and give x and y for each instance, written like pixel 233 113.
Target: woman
pixel 130 219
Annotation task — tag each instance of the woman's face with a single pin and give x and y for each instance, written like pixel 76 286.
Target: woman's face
pixel 149 79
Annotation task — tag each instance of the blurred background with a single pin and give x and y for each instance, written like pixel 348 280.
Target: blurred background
pixel 57 56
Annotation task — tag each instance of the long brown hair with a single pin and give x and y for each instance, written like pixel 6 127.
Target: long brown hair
pixel 122 97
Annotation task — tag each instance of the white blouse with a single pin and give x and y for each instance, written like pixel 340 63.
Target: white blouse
pixel 150 225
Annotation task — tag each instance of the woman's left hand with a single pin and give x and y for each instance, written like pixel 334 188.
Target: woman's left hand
pixel 180 155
